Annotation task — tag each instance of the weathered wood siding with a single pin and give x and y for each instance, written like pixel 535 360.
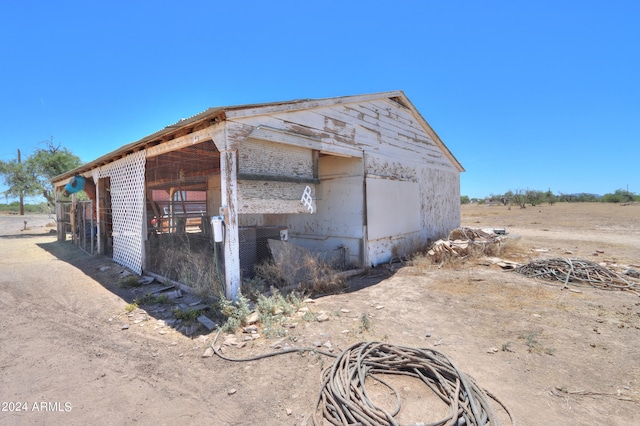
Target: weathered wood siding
pixel 256 157
pixel 440 202
pixel 402 165
pixel 412 187
pixel 266 197
pixel 270 166
pixel 379 126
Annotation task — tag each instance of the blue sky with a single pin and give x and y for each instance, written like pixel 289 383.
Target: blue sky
pixel 527 95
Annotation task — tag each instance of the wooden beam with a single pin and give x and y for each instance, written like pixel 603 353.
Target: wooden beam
pixel 270 178
pixel 290 138
pixel 180 142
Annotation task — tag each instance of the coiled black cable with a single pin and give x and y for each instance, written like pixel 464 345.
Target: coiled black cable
pixel 344 399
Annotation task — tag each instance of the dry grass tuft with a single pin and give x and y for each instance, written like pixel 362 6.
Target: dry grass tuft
pixel 305 273
pixel 199 272
pixel 513 249
pixel 129 281
pixel 194 269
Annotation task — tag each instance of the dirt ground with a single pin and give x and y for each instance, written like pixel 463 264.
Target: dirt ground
pixel 551 356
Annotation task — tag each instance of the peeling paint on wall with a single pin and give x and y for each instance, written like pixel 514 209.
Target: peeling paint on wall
pixel 440 201
pixel 397 149
pixel 274 159
pixel 271 197
pixel 384 167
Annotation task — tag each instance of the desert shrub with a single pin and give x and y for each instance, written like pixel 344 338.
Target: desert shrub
pixel 321 277
pixel 253 287
pixel 131 307
pixel 153 299
pixel 619 196
pixel 14 208
pixel 272 327
pixel 365 323
pixel 422 260
pixel 268 275
pixel 235 312
pixel 199 272
pixel 278 304
pixel 274 309
pixel 189 315
pixel 129 281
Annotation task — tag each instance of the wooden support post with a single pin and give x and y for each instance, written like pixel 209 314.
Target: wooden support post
pixel 229 195
pixel 62 235
pixel 74 207
pixel 96 211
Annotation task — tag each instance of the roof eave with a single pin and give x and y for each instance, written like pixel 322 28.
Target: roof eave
pixel 433 134
pixel 147 141
pixel 223 113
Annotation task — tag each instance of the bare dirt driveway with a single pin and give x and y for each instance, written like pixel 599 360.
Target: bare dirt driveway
pixel 551 356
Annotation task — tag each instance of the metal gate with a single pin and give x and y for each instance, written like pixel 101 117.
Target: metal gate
pixel 85 229
pixel 66 220
pixel 78 221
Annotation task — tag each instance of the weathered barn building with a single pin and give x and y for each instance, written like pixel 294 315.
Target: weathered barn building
pixel 359 179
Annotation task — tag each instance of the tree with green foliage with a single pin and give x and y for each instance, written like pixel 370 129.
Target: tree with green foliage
pixel 49 162
pixel 619 196
pixel 534 197
pixel 32 177
pixel 507 198
pixel 18 179
pixel 519 198
pixel 551 198
pixel 464 199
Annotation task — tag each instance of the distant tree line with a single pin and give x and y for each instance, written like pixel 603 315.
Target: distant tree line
pixel 14 208
pixel 534 197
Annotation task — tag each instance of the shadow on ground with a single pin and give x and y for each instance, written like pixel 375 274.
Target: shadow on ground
pixel 139 299
pixel 171 309
pixel 25 235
